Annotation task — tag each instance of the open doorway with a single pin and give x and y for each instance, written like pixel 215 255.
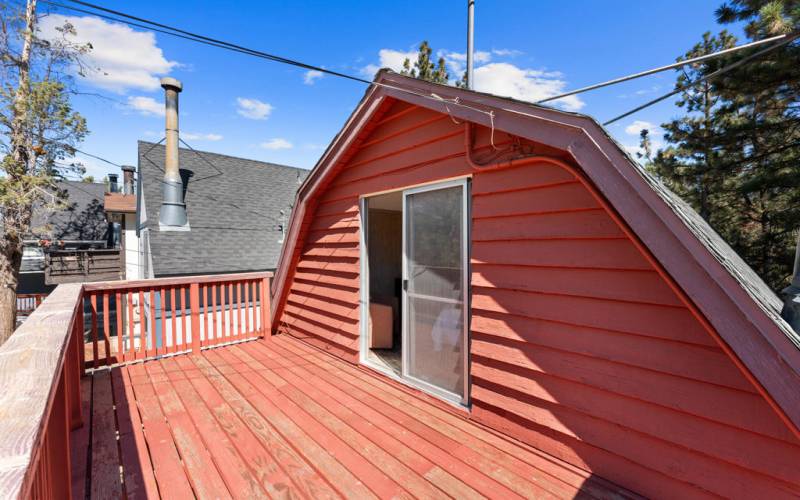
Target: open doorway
pixel 384 214
pixel 414 269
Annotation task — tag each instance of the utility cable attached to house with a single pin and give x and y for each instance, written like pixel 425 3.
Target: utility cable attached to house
pixel 660 69
pixel 187 35
pixel 789 39
pixel 180 33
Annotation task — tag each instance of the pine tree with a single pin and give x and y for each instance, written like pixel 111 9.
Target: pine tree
pixel 735 155
pixel 763 140
pixel 424 68
pixel 692 164
pixel 39 130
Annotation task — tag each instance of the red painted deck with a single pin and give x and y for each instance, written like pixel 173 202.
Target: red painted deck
pixel 278 418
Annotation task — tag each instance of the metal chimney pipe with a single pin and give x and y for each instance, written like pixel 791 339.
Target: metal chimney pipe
pixel 173 209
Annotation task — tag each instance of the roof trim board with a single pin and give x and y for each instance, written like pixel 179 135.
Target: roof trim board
pixel 739 314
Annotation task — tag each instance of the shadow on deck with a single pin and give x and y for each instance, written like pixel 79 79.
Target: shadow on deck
pixel 278 418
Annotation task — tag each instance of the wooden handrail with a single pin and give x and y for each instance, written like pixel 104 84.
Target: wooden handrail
pixel 135 320
pixel 42 362
pixel 172 281
pixel 40 398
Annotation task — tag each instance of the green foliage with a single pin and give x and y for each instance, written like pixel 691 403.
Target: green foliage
pixel 424 68
pixel 735 153
pixel 39 128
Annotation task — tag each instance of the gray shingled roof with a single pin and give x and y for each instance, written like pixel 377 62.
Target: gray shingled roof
pixel 81 217
pixel 234 208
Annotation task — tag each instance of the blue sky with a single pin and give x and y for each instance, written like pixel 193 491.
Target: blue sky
pixel 239 105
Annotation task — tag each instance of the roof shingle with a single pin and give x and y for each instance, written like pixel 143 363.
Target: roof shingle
pixel 234 208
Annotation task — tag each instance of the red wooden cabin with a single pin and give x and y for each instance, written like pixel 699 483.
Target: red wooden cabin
pixel 477 298
pixel 608 325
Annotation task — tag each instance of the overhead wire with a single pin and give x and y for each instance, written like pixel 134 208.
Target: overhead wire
pixel 660 69
pixel 709 77
pixel 187 35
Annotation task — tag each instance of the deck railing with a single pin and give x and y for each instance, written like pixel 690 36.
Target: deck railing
pixel 40 399
pixel 89 325
pixel 133 320
pixel 28 302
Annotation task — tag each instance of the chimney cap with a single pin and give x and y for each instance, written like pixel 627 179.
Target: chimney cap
pixel 128 168
pixel 171 83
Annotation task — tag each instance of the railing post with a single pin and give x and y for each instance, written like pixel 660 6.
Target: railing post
pixel 79 324
pixel 266 330
pixel 74 375
pixel 194 303
pixel 58 439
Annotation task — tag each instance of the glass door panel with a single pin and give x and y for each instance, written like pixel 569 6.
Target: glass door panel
pixel 434 344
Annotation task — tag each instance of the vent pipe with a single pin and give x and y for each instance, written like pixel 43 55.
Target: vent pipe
pixel 173 209
pixel 791 294
pixel 127 179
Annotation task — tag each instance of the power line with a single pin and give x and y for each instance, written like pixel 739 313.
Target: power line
pixel 176 32
pixel 222 42
pixel 709 77
pixel 662 68
pixel 96 157
pixel 180 33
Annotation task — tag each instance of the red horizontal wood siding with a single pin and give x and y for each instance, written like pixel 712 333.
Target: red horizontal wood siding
pixel 579 347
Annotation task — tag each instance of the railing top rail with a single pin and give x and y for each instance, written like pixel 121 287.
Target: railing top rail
pixel 178 280
pixel 31 361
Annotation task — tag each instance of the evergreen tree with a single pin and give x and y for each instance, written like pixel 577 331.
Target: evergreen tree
pixel 692 163
pixel 762 133
pixel 424 68
pixel 39 130
pixel 735 154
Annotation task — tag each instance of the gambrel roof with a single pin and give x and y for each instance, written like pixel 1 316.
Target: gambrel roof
pixel 723 292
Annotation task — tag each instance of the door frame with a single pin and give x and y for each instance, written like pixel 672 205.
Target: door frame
pixel 364 301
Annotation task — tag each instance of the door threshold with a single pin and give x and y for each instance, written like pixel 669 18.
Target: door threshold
pixel 414 386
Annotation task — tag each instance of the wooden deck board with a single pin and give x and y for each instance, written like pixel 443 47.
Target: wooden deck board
pixel 106 479
pixel 281 419
pixel 79 443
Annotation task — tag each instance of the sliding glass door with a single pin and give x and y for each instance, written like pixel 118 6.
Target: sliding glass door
pixel 435 236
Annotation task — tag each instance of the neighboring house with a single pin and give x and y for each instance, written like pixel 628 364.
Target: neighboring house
pixel 237 210
pixel 120 205
pixel 79 223
pixel 547 286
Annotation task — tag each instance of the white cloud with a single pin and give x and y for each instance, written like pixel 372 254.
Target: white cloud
pixel 276 144
pixel 253 108
pixel 189 136
pixel 312 76
pixel 507 52
pixel 392 59
pixel 120 59
pixel 146 105
pixel 480 56
pixel 637 126
pixel 508 80
pixel 457 61
pixel 500 78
